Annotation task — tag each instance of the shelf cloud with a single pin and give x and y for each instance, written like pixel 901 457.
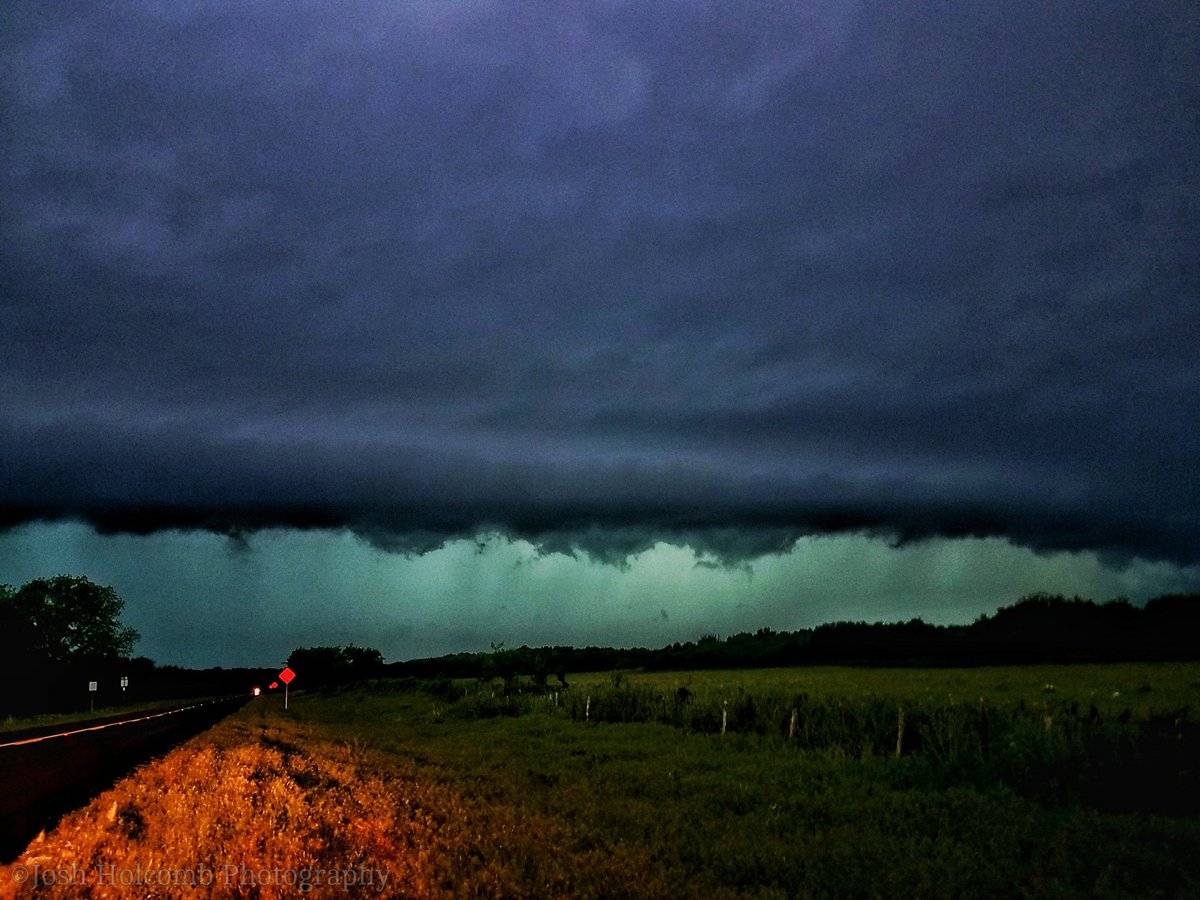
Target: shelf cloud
pixel 604 277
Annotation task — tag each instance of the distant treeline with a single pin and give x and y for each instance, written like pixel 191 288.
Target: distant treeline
pixel 58 635
pixel 1040 628
pixel 32 686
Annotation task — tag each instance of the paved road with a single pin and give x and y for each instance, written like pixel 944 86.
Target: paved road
pixel 45 772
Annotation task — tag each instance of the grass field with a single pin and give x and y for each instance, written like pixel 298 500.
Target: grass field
pixel 480 793
pixel 1140 687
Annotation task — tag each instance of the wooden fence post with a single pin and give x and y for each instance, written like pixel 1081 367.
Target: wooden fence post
pixel 985 728
pixel 900 732
pixel 587 709
pixel 724 714
pixel 792 726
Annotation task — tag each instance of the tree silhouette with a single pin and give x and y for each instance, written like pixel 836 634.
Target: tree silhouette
pixel 332 666
pixel 65 619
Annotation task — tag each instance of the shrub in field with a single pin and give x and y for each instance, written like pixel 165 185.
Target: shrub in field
pixel 486 704
pixel 444 688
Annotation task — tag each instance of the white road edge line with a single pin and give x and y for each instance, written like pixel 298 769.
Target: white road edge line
pixel 49 737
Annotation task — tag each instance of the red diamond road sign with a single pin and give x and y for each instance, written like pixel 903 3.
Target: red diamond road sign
pixel 287 675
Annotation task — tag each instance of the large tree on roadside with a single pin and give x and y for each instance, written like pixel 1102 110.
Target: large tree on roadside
pixel 68 618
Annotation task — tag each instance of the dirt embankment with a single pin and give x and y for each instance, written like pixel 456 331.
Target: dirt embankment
pixel 268 808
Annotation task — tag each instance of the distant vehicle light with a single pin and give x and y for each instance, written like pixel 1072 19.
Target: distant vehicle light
pixel 257 691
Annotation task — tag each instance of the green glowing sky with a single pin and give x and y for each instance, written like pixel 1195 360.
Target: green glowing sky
pixel 199 599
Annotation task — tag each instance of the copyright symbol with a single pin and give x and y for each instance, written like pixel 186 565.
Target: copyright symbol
pixel 19 874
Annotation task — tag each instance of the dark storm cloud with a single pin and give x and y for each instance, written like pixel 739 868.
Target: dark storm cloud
pixel 604 274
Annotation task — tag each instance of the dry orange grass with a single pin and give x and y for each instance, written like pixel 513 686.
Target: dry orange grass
pixel 270 809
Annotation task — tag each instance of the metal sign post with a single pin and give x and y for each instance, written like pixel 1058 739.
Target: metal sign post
pixel 93 686
pixel 124 683
pixel 286 677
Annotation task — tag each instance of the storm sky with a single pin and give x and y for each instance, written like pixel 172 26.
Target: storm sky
pixel 641 294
